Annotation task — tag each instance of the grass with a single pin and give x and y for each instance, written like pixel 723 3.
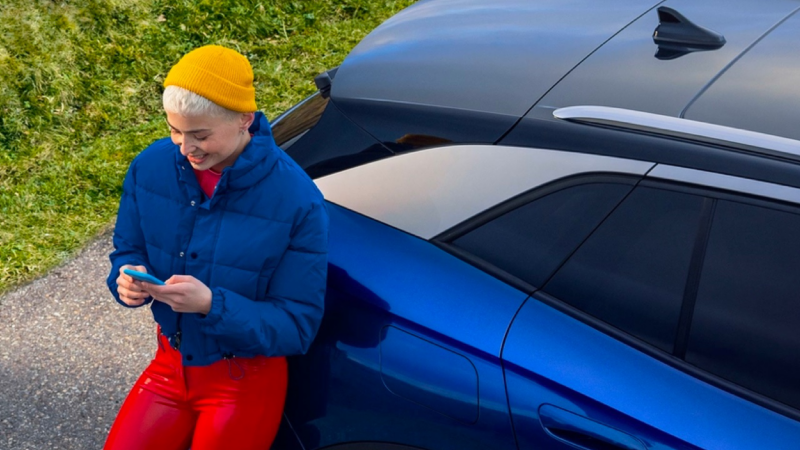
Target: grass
pixel 80 87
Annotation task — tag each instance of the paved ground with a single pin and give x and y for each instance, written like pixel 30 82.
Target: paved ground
pixel 68 356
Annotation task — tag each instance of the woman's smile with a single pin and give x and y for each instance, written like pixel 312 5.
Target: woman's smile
pixel 197 159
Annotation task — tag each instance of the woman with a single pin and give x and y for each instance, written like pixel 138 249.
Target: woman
pixel 239 233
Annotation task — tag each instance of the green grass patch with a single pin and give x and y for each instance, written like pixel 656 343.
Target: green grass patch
pixel 80 96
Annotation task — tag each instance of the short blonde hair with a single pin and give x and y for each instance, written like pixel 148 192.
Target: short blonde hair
pixel 178 100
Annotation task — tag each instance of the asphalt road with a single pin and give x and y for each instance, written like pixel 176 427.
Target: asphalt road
pixel 68 356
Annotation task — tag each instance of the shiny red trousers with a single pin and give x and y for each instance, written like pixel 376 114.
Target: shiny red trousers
pixel 234 403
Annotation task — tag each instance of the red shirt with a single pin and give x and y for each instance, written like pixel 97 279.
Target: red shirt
pixel 208 180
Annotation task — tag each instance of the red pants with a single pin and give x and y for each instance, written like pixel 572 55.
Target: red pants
pixel 231 404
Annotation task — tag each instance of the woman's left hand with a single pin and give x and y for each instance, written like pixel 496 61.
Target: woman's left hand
pixel 184 293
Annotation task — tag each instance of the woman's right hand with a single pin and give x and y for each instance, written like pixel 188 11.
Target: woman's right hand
pixel 130 291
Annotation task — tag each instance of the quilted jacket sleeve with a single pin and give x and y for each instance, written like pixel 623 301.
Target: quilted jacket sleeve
pixel 129 245
pixel 286 323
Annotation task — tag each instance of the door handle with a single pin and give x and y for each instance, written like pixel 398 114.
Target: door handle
pixel 583 432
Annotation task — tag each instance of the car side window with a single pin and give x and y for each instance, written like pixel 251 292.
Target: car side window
pixel 292 125
pixel 531 241
pixel 632 272
pixel 747 313
pixel 317 120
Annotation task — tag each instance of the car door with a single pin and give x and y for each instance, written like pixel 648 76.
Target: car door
pixel 669 327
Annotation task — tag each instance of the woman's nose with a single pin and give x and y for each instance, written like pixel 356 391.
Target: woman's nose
pixel 185 147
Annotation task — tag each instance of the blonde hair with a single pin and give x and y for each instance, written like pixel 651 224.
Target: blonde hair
pixel 178 100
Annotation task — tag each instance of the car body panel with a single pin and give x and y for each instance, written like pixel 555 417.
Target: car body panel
pixel 428 54
pixel 433 302
pixel 448 372
pixel 625 73
pixel 621 387
pixel 760 91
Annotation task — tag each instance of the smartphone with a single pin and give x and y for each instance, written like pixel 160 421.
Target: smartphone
pixel 141 276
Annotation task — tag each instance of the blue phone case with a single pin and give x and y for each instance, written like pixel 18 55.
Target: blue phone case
pixel 141 276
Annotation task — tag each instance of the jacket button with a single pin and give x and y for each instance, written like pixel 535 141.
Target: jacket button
pixel 189 357
pixel 181 255
pixel 192 202
pixel 194 255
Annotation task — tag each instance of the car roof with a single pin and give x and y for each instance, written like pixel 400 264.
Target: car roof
pixel 488 63
pixel 734 85
pixel 758 92
pixel 496 58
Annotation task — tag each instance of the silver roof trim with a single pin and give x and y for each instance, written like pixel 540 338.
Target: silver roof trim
pixel 726 182
pixel 427 192
pixel 751 141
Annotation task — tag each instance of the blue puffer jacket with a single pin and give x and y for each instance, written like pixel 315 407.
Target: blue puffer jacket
pixel 260 244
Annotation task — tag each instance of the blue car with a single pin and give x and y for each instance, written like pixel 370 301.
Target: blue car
pixel 557 224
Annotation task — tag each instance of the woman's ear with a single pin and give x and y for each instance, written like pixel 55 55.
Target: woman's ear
pixel 246 120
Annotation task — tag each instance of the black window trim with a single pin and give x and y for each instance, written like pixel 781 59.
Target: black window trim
pixel 693 277
pixel 485 266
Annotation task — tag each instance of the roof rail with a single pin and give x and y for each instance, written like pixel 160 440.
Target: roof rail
pixel 626 119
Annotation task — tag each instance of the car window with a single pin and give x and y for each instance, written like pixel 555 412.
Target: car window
pixel 295 122
pixel 632 272
pixel 531 241
pixel 746 319
pixel 322 140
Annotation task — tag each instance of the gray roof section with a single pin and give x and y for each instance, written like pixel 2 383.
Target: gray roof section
pixel 626 74
pixel 760 92
pixel 497 56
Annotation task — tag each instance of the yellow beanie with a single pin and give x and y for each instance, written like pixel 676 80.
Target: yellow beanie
pixel 219 74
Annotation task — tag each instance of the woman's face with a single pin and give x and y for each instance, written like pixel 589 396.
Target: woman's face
pixel 210 142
